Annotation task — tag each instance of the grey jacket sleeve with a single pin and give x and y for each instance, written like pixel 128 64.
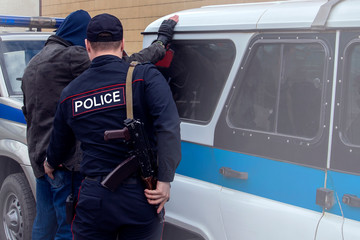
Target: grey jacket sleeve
pixel 154 53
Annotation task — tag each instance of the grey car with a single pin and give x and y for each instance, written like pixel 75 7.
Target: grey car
pixel 17 201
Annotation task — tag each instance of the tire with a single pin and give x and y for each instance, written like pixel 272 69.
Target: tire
pixel 17 208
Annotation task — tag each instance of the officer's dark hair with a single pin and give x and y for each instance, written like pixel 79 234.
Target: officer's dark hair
pixel 102 46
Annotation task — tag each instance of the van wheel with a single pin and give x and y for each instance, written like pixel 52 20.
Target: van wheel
pixel 17 206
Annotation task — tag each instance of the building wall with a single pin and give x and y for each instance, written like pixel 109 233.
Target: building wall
pixel 135 15
pixel 11 7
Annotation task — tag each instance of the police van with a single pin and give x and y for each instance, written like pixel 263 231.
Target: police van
pixel 17 181
pixel 269 98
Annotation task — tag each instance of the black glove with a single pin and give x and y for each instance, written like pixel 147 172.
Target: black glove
pixel 166 31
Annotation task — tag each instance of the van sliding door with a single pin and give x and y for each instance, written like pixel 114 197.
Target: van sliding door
pixel 272 137
pixel 344 175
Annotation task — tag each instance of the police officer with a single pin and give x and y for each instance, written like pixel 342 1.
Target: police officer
pixel 63 58
pixel 96 101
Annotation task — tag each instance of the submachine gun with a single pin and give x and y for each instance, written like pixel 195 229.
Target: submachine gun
pixel 142 156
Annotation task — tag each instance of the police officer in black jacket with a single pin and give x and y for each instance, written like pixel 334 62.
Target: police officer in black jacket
pixel 63 58
pixel 96 101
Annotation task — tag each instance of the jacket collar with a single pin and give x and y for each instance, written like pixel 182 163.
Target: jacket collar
pixel 58 40
pixel 104 59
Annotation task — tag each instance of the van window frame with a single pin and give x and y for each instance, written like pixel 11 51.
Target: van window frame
pixel 241 75
pixel 310 152
pixel 231 60
pixel 344 92
pixel 344 154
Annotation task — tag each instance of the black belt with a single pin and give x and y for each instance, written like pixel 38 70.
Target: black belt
pixel 95 178
pixel 129 180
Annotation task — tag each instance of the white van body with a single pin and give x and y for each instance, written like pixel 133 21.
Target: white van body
pixel 268 94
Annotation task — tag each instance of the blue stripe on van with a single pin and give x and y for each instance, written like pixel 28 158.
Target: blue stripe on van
pixel 280 181
pixel 12 114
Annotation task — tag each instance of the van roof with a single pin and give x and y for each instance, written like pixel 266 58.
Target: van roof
pixel 295 14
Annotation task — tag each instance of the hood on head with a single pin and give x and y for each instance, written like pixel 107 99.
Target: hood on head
pixel 73 29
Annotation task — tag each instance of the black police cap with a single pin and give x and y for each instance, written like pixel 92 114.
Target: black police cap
pixel 104 28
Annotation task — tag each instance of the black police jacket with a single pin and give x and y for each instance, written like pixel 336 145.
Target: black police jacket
pixel 96 101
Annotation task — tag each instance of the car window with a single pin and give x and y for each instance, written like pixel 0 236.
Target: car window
pixel 350 116
pixel 281 90
pixel 197 75
pixel 16 55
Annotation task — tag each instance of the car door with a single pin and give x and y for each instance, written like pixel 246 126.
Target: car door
pixel 343 176
pixel 271 140
pixel 197 76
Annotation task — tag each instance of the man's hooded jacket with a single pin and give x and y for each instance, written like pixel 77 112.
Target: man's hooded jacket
pixel 61 60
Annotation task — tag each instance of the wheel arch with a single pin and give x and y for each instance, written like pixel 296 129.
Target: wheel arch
pixel 14 158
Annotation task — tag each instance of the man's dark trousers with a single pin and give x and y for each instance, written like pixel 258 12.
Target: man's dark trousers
pixel 123 214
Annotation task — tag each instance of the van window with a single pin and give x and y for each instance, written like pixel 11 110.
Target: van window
pixel 350 118
pixel 197 75
pixel 281 89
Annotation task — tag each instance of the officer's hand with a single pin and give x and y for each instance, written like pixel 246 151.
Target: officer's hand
pixel 159 196
pixel 48 169
pixel 166 30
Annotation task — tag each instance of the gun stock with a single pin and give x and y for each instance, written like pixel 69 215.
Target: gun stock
pixel 120 173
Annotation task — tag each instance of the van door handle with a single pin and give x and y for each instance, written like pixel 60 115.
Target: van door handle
pixel 228 172
pixel 351 200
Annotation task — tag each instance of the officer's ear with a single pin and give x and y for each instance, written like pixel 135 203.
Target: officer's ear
pixel 87 45
pixel 122 45
pixel 88 49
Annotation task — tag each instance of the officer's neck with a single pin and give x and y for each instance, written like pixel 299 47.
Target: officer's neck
pixel 93 53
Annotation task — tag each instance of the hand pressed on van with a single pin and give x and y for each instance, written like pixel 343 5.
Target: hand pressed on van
pixel 159 196
pixel 166 30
